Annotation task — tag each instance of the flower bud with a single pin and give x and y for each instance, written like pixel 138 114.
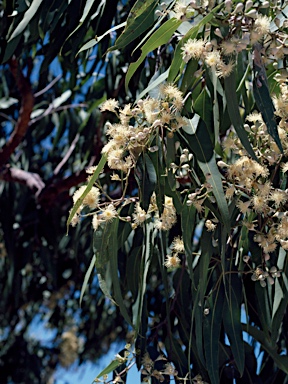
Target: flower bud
pixel 248 5
pixel 239 8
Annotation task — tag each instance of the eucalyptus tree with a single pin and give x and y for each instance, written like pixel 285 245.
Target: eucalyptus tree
pixel 188 202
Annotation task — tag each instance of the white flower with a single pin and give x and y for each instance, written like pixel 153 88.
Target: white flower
pixel 108 213
pixel 172 261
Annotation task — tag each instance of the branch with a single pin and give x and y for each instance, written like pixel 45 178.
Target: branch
pixel 50 85
pixel 27 103
pixel 32 180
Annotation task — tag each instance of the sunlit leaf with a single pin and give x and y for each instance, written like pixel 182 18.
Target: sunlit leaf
pixel 87 277
pixel 200 143
pixel 7 102
pixel 110 368
pixel 31 11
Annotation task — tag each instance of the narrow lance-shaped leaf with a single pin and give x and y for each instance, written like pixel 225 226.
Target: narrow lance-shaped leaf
pixel 160 37
pixel 87 277
pixel 101 243
pixel 232 318
pixel 31 11
pixel 234 114
pixel 145 263
pixel 97 39
pixel 200 143
pixel 146 177
pixel 280 301
pixel 211 333
pixel 113 257
pixel 110 367
pixel 262 96
pixel 280 360
pixel 141 17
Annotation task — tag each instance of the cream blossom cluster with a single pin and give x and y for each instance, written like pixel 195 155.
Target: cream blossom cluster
pixel 247 25
pixel 173 260
pixel 138 126
pixel 201 50
pixel 258 188
pixel 91 200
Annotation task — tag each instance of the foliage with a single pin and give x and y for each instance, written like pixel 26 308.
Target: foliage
pixel 188 201
pixel 194 255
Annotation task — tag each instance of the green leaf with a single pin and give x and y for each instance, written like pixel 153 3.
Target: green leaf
pixel 113 257
pixel 188 222
pixel 146 177
pixel 211 333
pixel 133 270
pixel 31 11
pixel 188 77
pixel 263 309
pixel 198 138
pixel 202 274
pixel 233 110
pixel 147 250
pixel 101 244
pixel 88 6
pixel 203 107
pixel 92 180
pixel 97 39
pixel 280 300
pixel 264 102
pixel 87 277
pixel 140 18
pixel 88 45
pixel 280 360
pixel 159 80
pixel 232 319
pixel 113 365
pixel 160 37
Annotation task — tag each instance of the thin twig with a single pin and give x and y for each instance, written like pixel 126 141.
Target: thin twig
pixel 67 155
pixel 50 85
pixel 51 110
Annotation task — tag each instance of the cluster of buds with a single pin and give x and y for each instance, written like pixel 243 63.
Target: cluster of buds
pixel 149 370
pixel 181 171
pixel 265 275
